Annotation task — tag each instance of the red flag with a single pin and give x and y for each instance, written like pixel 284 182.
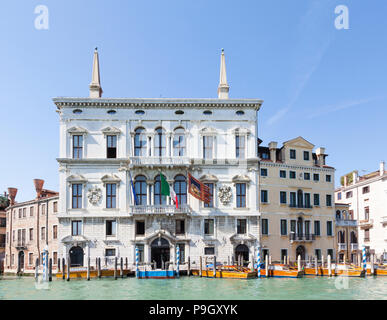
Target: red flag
pixel 198 189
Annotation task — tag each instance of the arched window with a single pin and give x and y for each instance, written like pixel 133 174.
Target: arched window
pixel 338 216
pixel 179 143
pixel 300 200
pixel 158 198
pixel 180 187
pixel 140 188
pixel 160 142
pixel 140 142
pixel 353 237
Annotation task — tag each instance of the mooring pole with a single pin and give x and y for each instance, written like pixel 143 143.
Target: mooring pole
pixel 88 268
pixel 126 263
pixel 316 265
pixel 189 266
pixel 115 268
pixel 99 268
pixel 122 267
pixel 201 266
pixel 68 268
pixel 63 268
pixel 267 266
pixel 50 270
pixel 36 268
pixel 214 266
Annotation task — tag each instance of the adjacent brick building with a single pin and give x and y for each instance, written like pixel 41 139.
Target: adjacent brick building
pixel 3 205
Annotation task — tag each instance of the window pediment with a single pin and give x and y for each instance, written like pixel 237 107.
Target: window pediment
pixel 208 131
pixel 209 178
pixel 110 179
pixel 76 178
pixel 241 131
pixel 111 130
pixel 241 179
pixel 77 130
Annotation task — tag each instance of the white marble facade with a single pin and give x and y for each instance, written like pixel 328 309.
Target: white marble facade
pixel 174 136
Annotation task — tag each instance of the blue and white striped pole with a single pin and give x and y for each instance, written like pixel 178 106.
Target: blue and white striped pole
pixel 177 260
pixel 364 259
pixel 137 272
pixel 259 261
pixel 45 254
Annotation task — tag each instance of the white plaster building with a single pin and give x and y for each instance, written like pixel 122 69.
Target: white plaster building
pixel 367 199
pixel 104 142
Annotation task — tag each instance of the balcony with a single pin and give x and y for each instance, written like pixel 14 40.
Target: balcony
pixel 346 223
pixel 301 237
pixel 21 245
pixel 342 246
pixel 160 210
pixel 354 246
pixel 366 224
pixel 160 161
pixel 296 206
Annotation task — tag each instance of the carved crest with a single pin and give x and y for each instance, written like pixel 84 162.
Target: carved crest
pixel 94 195
pixel 225 194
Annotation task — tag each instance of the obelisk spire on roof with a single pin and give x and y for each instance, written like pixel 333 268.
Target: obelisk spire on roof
pixel 95 85
pixel 223 86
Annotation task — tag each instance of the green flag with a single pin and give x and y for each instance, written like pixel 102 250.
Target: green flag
pixel 164 186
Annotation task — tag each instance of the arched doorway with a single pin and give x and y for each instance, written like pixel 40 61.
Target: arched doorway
pixel 20 263
pixel 300 251
pixel 160 251
pixel 76 256
pixel 242 251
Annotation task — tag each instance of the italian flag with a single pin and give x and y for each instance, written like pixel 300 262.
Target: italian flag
pixel 166 190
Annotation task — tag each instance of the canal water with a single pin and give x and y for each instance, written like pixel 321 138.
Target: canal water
pixel 192 288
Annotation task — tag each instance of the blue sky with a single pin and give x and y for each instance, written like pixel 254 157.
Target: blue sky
pixel 327 85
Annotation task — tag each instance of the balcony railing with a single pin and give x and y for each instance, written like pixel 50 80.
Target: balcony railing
pixel 292 205
pixel 366 223
pixel 176 161
pixel 21 244
pixel 354 246
pixel 301 237
pixel 346 223
pixel 160 209
pixel 342 246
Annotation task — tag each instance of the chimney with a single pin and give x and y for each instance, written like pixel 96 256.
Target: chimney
pixel 382 168
pixel 355 175
pixel 320 153
pixel 38 186
pixel 12 195
pixel 273 151
pixel 345 180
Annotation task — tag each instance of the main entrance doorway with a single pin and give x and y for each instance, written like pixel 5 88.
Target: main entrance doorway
pixel 76 256
pixel 20 264
pixel 242 251
pixel 300 251
pixel 160 252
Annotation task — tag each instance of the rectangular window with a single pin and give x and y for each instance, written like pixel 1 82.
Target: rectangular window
pixel 241 226
pixel 111 142
pixel 307 227
pixel 307 200
pixel 111 227
pixel 265 252
pixel 31 233
pixel 348 194
pixel 30 258
pixel 208 147
pixel 77 147
pixel 284 227
pixel 264 196
pixel 330 252
pixel 20 213
pixel 55 206
pixel 211 188
pixel 43 209
pixel 241 195
pixel 180 226
pixel 292 174
pixel 293 226
pixel 111 195
pixel 182 252
pixel 140 248
pixel 77 196
pixel 292 154
pixel 140 227
pixel 282 197
pixel 317 228
pixel 316 177
pixel 317 253
pixel 240 147
pixel 366 213
pixel 306 155
pixel 24 212
pixel 265 226
pixel 328 178
pixel 43 233
pixel 55 257
pixel 31 211
pixel 367 235
pixel 208 226
pixel 292 199
pixel 76 227
pixel 209 251
pixel 54 232
pixel 110 252
pixel 263 172
pixel 284 253
pixel 282 174
pixel 306 176
pixel 329 228
pixel 366 189
pixel 329 200
pixel 339 196
pixel 316 199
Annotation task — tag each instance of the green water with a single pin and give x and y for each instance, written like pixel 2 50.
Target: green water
pixel 197 288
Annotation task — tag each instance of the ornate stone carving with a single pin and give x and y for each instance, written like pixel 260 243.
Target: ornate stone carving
pixel 94 195
pixel 225 194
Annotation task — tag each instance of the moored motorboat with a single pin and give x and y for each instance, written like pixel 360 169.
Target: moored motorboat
pixel 226 271
pixel 282 271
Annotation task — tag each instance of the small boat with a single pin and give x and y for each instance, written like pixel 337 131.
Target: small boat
pixel 227 271
pixel 157 274
pixel 311 271
pixel 282 271
pixel 350 270
pixel 380 270
pixel 81 273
